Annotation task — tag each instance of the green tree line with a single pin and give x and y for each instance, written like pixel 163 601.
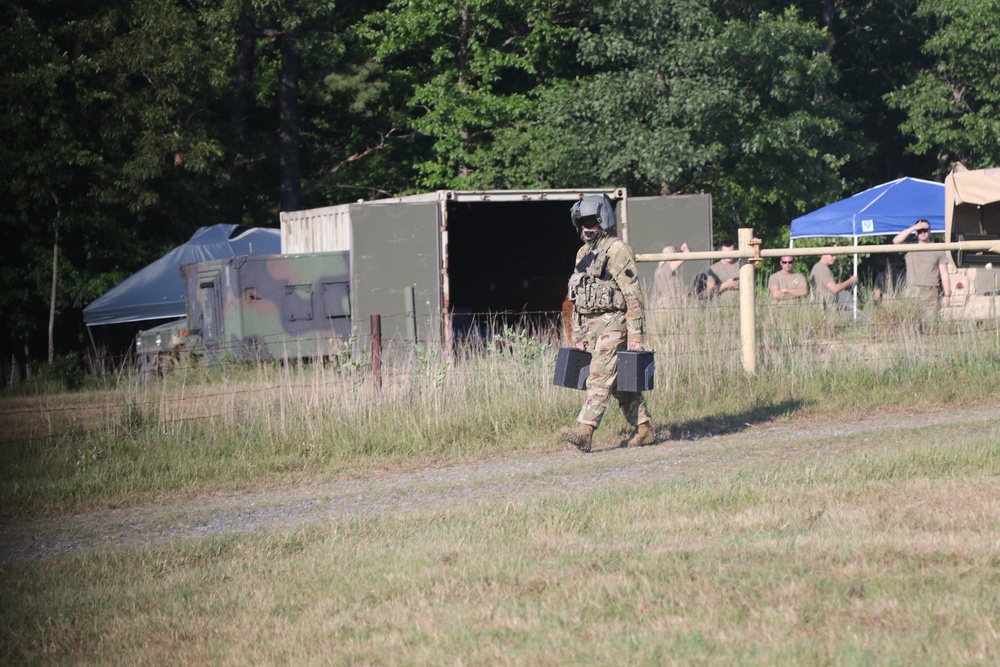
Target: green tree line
pixel 128 124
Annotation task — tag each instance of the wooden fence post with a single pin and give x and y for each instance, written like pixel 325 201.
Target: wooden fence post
pixel 748 320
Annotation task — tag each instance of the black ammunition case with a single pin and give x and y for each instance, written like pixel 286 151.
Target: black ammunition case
pixel 636 371
pixel 572 368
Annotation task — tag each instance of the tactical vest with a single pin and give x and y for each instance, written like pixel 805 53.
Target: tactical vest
pixel 591 287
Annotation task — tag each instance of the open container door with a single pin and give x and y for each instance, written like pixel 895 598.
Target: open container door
pixel 655 222
pixel 395 247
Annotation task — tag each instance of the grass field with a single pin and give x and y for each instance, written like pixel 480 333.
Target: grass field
pixel 807 544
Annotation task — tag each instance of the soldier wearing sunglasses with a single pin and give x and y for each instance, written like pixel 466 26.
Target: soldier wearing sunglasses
pixel 787 286
pixel 926 272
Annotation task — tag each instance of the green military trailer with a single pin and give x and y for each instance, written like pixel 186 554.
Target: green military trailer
pixel 262 307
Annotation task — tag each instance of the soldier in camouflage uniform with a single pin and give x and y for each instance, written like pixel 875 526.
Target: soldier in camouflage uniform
pixel 608 317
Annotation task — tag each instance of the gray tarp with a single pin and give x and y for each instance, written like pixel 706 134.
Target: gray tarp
pixel 157 291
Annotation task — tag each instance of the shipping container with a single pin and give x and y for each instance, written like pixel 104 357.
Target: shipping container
pixel 437 266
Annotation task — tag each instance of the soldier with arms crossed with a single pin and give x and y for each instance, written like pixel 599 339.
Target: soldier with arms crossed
pixel 787 286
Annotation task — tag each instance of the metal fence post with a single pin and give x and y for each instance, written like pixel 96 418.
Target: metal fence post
pixel 376 325
pixel 410 312
pixel 748 322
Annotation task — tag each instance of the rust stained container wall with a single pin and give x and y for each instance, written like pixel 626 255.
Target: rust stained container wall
pixel 316 230
pixel 329 229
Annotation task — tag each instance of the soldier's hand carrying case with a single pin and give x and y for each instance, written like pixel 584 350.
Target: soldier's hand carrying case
pixel 572 368
pixel 636 371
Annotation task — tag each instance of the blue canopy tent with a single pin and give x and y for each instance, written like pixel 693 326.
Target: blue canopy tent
pixel 157 291
pixel 885 209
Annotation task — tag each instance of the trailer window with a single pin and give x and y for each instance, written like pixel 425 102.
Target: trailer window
pixel 298 302
pixel 336 300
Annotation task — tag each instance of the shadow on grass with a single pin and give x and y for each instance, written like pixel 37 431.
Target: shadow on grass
pixel 708 426
pixel 727 424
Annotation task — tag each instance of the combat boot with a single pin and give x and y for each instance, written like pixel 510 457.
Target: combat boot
pixel 642 437
pixel 579 436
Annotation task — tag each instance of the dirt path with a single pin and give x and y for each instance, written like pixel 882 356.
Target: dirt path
pixel 511 479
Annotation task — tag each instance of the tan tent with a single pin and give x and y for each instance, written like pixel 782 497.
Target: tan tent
pixel 972 212
pixel 972 202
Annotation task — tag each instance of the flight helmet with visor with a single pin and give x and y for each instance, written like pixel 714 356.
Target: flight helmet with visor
pixel 593 216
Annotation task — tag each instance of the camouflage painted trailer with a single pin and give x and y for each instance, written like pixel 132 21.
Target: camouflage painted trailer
pixel 260 307
pixel 437 266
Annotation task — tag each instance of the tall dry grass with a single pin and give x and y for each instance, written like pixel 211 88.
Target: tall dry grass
pixel 224 427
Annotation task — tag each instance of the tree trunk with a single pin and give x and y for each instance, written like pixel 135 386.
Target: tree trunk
pixel 240 115
pixel 10 372
pixel 243 82
pixel 55 282
pixel 829 13
pixel 289 132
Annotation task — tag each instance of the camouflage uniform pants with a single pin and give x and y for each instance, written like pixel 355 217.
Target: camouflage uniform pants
pixel 606 335
pixel 923 298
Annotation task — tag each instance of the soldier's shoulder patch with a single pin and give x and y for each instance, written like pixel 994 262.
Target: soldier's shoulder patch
pixel 628 272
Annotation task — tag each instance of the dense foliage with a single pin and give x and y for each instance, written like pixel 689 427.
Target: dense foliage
pixel 129 124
